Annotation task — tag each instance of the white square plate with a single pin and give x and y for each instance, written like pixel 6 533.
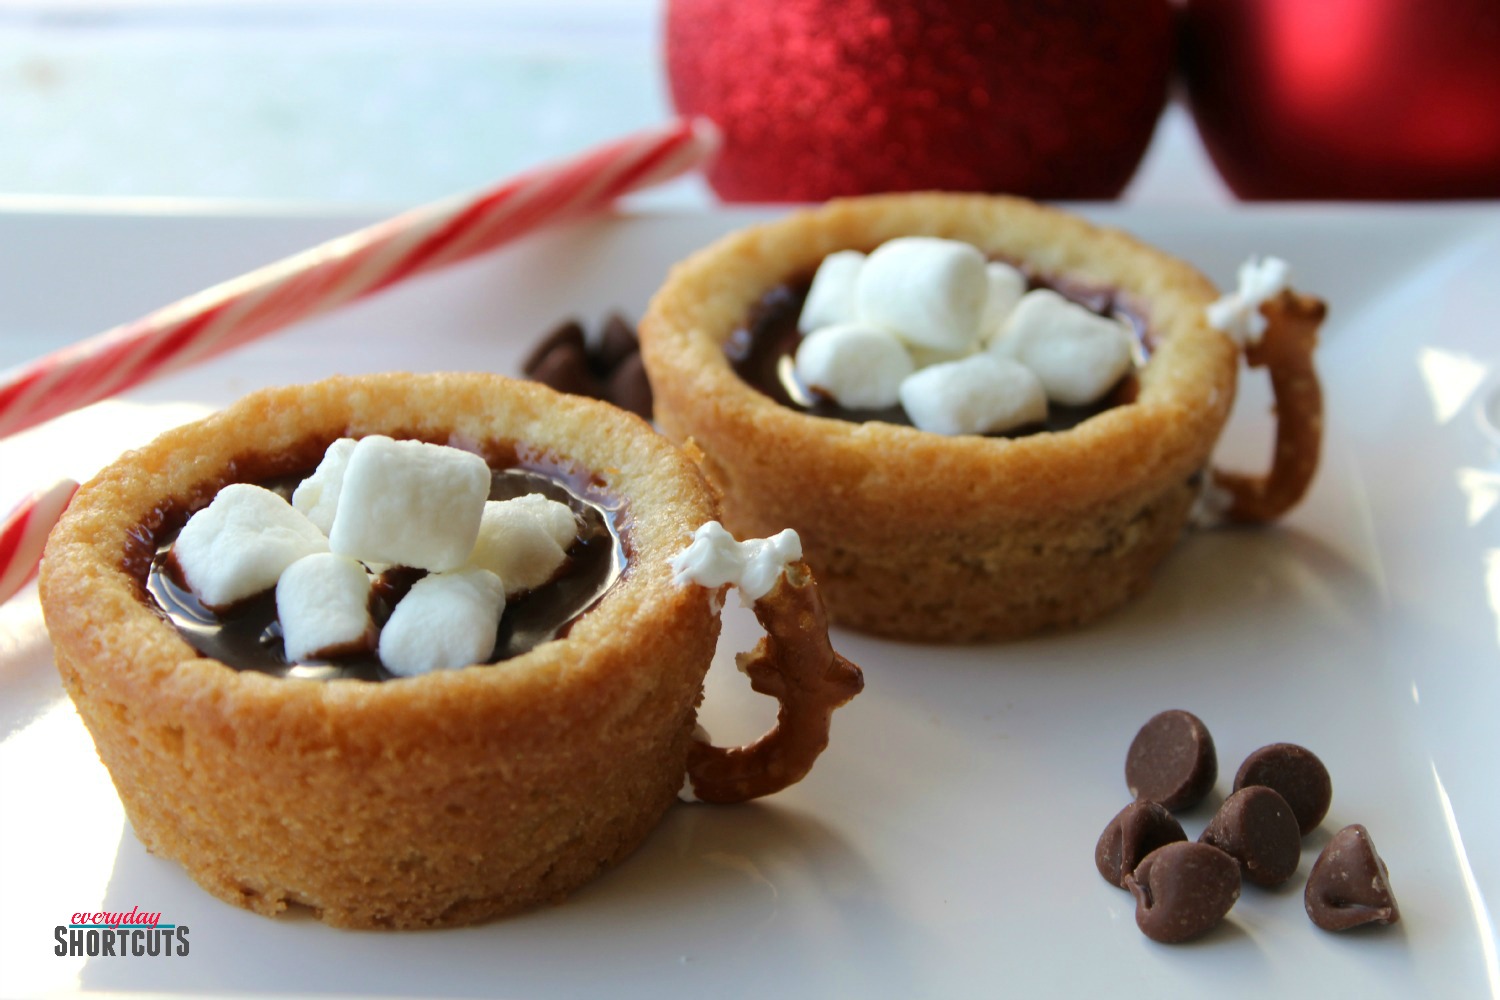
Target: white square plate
pixel 943 845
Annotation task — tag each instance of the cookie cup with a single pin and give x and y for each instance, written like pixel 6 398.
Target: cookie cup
pixel 428 801
pixel 921 536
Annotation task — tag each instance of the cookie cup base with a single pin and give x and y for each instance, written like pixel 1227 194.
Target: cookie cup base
pixel 430 801
pixel 957 539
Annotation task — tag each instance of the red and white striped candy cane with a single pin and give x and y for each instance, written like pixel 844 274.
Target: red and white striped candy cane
pixel 324 277
pixel 24 533
pixel 315 281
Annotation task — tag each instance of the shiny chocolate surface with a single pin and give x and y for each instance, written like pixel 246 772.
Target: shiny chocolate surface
pixel 763 349
pixel 247 636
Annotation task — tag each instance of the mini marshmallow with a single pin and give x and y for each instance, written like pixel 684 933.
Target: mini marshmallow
pixel 1006 286
pixel 982 394
pixel 1238 313
pixel 1077 354
pixel 524 540
pixel 238 545
pixel 410 503
pixel 317 496
pixel 830 300
pixel 858 367
pixel 323 603
pixel 929 292
pixel 557 518
pixel 446 621
pixel 713 558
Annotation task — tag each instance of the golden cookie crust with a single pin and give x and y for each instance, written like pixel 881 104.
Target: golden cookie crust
pixel 438 800
pixel 920 536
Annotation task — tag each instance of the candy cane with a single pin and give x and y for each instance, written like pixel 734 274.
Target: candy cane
pixel 24 533
pixel 315 281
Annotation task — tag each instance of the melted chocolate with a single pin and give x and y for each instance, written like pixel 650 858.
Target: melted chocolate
pixel 247 636
pixel 762 354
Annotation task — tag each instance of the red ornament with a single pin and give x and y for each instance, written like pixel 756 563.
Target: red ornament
pixel 1348 98
pixel 818 98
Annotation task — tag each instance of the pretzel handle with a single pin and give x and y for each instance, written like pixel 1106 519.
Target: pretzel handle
pixel 1285 350
pixel 795 664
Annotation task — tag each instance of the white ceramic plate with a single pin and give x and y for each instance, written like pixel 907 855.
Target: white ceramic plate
pixel 943 845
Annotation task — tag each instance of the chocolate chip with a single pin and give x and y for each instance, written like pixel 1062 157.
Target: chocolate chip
pixel 1297 774
pixel 1349 885
pixel 1182 890
pixel 566 369
pixel 1135 832
pixel 1256 827
pixel 1172 760
pixel 617 341
pixel 570 333
pixel 609 368
pixel 628 388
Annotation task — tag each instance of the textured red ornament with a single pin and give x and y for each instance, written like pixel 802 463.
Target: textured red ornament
pixel 1348 98
pixel 818 98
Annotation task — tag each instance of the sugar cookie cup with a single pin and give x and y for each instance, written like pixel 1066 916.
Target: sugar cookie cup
pixel 922 536
pixel 436 800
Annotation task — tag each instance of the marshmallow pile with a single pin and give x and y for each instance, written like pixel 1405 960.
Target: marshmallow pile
pixel 1238 313
pixel 955 339
pixel 372 504
pixel 713 558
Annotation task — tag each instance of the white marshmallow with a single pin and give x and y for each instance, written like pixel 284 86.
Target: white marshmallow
pixel 1077 354
pixel 981 394
pixel 927 291
pixel 1238 313
pixel 556 517
pixel 1006 286
pixel 446 621
pixel 524 540
pixel 323 603
pixel 858 367
pixel 925 357
pixel 238 545
pixel 317 496
pixel 830 300
pixel 713 558
pixel 410 503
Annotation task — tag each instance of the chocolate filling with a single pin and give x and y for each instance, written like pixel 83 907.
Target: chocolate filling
pixel 762 353
pixel 247 636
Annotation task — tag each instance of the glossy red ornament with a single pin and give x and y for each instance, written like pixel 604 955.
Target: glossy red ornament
pixel 1348 99
pixel 817 98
